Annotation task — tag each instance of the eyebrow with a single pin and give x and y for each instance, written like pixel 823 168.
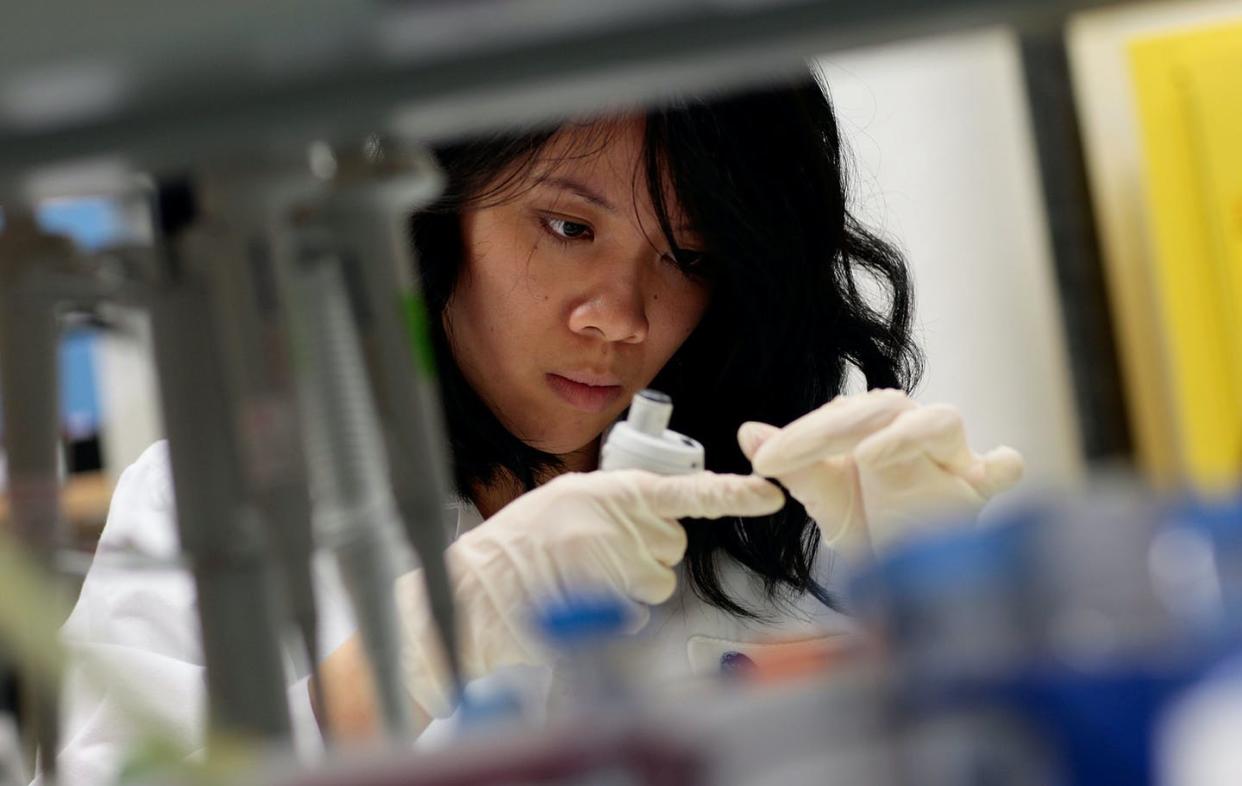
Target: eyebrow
pixel 578 189
pixel 592 196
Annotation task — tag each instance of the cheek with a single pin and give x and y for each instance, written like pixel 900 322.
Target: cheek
pixel 501 307
pixel 678 308
pixel 510 267
pixel 492 274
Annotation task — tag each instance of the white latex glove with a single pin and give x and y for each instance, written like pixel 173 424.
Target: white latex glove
pixel 872 467
pixel 613 532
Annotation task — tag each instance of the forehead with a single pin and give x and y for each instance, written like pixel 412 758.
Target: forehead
pixel 608 155
pixel 610 147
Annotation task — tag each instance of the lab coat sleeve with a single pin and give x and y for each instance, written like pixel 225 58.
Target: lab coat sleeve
pixel 132 640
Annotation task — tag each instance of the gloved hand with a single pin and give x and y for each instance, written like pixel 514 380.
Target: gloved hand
pixel 614 532
pixel 872 467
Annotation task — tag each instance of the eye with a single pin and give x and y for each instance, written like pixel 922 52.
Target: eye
pixel 565 229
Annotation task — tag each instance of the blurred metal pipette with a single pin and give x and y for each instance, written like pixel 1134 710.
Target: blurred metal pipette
pixel 219 531
pixel 378 189
pixel 248 228
pixel 354 512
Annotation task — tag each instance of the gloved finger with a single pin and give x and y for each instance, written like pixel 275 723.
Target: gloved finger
pixel 594 566
pixel 707 495
pixel 834 429
pixel 656 587
pixel 935 431
pixel 1000 468
pixel 809 482
pixel 751 436
pixel 665 540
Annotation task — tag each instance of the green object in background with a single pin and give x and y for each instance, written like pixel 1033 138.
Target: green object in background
pixel 160 759
pixel 416 323
pixel 32 608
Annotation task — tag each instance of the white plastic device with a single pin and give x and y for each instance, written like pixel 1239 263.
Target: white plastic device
pixel 644 441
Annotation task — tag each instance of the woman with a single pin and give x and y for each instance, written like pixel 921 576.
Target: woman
pixel 704 249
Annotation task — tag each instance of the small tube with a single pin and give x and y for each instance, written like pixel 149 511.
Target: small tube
pixel 650 412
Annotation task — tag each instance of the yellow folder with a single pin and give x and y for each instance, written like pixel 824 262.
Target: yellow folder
pixel 1189 97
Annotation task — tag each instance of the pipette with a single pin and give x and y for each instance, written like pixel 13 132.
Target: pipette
pixel 369 212
pixel 221 534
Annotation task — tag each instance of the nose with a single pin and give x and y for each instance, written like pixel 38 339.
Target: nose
pixel 612 308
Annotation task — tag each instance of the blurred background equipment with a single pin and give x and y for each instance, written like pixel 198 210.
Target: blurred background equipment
pixel 1063 175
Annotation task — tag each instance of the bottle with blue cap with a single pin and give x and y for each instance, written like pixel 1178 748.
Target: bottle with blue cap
pixel 953 611
pixel 1197 564
pixel 588 633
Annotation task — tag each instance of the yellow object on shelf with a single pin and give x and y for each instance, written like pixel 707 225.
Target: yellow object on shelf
pixel 1189 97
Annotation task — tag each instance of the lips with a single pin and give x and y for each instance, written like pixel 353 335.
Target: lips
pixel 585 391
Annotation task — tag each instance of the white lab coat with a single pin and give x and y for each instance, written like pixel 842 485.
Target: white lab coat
pixel 138 627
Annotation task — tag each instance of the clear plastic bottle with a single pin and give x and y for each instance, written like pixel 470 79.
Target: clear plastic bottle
pixel 588 635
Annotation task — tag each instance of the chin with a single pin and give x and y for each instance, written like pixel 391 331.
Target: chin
pixel 571 432
pixel 561 447
pixel 562 444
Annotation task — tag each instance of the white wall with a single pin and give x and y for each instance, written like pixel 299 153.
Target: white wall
pixel 129 391
pixel 946 167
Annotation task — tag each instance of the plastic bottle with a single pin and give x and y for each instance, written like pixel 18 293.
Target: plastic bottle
pixel 644 441
pixel 588 634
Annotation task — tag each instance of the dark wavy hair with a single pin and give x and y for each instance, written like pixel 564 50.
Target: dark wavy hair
pixel 760 176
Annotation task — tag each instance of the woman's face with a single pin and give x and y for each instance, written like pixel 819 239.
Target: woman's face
pixel 569 300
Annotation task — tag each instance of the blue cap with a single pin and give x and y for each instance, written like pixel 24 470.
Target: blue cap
pixel 582 619
pixel 1219 518
pixel 951 559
